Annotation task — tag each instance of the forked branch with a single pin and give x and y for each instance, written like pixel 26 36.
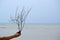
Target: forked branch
pixel 20 18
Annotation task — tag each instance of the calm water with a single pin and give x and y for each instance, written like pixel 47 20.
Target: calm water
pixel 33 32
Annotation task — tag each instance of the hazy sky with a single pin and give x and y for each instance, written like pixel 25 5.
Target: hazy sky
pixel 43 11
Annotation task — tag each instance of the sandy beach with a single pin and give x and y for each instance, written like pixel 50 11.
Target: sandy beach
pixel 33 32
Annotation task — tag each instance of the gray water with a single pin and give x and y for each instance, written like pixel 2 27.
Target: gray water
pixel 33 32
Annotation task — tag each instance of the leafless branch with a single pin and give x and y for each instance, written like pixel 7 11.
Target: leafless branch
pixel 20 18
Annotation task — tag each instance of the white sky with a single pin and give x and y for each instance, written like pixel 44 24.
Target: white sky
pixel 43 11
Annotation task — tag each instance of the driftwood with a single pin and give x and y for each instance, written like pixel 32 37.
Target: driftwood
pixel 20 21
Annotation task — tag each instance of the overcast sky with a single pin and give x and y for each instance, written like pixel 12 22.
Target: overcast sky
pixel 43 11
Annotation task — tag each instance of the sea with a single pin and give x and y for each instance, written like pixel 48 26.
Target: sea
pixel 32 31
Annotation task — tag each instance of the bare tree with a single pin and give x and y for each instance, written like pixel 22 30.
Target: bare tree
pixel 20 18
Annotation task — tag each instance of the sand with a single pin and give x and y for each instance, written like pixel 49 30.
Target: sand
pixel 33 32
